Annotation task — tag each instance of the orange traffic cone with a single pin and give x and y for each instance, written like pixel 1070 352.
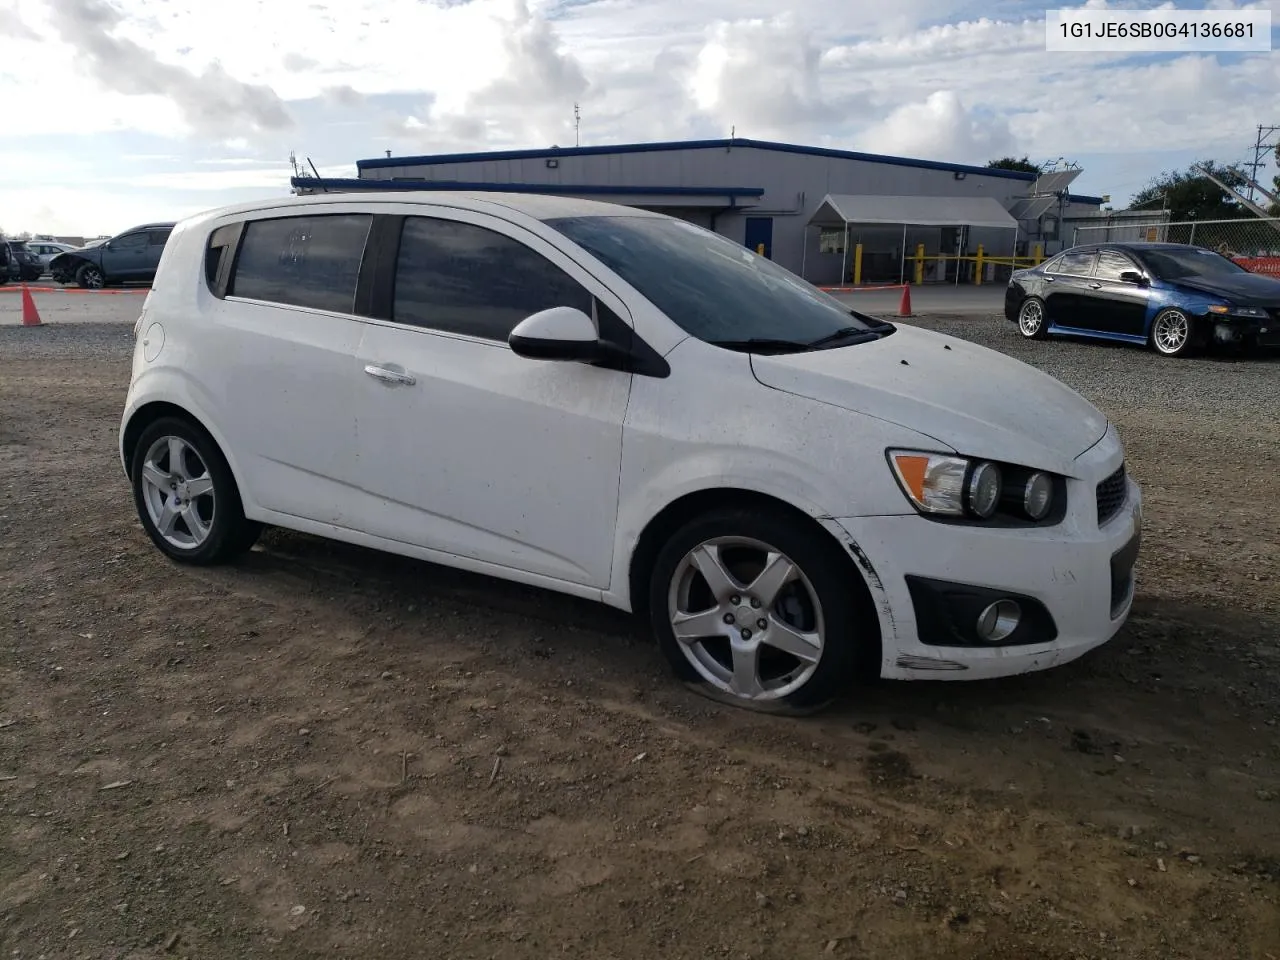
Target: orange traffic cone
pixel 904 306
pixel 30 315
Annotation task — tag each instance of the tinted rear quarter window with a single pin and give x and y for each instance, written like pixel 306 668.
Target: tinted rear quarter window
pixel 305 261
pixel 462 278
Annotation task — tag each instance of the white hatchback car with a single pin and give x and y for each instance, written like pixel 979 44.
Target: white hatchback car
pixel 622 406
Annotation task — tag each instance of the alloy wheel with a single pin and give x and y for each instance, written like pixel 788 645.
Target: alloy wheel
pixel 1172 329
pixel 1030 318
pixel 746 618
pixel 178 492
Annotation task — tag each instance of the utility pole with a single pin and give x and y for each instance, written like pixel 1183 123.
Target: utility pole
pixel 1265 142
pixel 577 123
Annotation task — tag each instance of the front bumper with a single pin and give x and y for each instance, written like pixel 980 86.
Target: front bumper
pixel 1264 331
pixel 1078 574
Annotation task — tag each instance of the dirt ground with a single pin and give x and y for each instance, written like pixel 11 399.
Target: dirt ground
pixel 325 752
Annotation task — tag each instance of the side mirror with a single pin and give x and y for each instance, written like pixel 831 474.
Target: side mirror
pixel 558 333
pixel 1132 276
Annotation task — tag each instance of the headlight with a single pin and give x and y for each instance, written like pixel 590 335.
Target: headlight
pixel 984 489
pixel 1224 309
pixel 943 485
pixel 1037 496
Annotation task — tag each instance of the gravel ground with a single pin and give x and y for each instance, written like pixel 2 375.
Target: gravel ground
pixel 324 751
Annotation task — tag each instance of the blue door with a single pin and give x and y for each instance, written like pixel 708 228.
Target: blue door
pixel 760 233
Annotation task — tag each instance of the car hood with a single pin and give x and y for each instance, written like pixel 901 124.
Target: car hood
pixel 971 399
pixel 1246 289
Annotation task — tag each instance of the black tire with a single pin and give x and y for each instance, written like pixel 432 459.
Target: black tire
pixel 229 533
pixel 90 277
pixel 850 632
pixel 1038 330
pixel 1190 341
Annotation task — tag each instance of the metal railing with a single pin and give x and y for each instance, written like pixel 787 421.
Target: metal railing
pixel 1253 242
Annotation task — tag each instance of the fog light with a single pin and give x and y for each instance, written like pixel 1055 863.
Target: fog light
pixel 997 621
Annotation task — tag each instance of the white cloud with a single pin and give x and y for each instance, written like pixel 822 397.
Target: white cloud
pixel 939 128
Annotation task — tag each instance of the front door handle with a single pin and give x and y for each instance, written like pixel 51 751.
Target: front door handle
pixel 390 375
pixel 1095 286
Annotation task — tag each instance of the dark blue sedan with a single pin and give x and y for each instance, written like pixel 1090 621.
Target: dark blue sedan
pixel 1172 297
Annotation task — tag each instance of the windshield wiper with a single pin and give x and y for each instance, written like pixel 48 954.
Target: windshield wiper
pixel 762 345
pixel 845 336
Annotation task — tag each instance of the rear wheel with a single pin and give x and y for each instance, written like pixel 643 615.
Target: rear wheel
pixel 1031 319
pixel 753 610
pixel 186 497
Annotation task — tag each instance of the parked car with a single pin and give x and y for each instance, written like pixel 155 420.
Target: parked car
pixel 620 405
pixel 1172 297
pixel 46 250
pixel 129 257
pixel 9 268
pixel 25 266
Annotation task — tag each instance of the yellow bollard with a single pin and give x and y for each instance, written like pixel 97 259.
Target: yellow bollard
pixel 857 265
pixel 977 273
pixel 1037 253
pixel 919 275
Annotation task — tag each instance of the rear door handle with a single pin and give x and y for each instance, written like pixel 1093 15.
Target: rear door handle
pixel 1095 286
pixel 389 374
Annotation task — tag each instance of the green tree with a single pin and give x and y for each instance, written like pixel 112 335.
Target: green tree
pixel 1190 195
pixel 1012 163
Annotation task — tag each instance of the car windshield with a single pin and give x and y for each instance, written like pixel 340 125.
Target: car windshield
pixel 715 289
pixel 1191 262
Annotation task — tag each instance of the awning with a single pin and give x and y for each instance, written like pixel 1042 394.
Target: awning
pixel 838 209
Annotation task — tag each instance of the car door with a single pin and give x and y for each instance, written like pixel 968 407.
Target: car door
pixel 468 448
pixel 124 257
pixel 1120 306
pixel 1066 288
pixel 279 343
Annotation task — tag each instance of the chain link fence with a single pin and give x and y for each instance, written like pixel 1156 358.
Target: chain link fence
pixel 1254 243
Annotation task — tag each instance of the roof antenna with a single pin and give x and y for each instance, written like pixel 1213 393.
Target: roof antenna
pixel 577 123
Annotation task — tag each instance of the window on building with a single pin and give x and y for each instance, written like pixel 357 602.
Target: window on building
pixel 462 278
pixel 302 261
pixel 831 240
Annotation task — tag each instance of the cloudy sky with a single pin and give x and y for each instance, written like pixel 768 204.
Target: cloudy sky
pixel 122 111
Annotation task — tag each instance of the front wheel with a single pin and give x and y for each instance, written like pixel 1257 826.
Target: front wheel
pixel 1031 320
pixel 753 610
pixel 186 496
pixel 90 277
pixel 1172 333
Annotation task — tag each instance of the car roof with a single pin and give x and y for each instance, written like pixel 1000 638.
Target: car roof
pixel 539 206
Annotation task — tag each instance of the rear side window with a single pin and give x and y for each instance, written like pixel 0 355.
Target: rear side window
pixel 158 238
pixel 129 241
pixel 309 261
pixel 461 278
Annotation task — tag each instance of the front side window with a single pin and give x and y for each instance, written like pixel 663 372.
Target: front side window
pixel 305 261
pixel 462 278
pixel 1075 264
pixel 1112 264
pixel 129 241
pixel 709 286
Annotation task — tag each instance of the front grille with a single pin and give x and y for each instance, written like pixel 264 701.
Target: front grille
pixel 1111 493
pixel 1122 564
